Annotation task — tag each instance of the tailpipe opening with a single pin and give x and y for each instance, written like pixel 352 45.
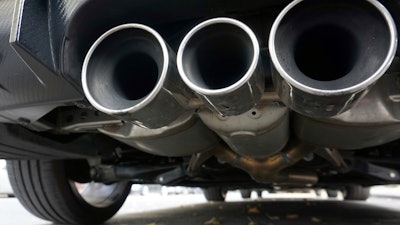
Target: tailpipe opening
pixel 128 73
pixel 219 60
pixel 326 54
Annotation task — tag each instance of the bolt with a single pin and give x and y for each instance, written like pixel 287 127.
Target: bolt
pixel 161 179
pixel 392 175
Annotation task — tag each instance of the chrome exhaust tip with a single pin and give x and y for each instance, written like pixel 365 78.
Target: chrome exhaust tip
pixel 326 54
pixel 219 60
pixel 128 73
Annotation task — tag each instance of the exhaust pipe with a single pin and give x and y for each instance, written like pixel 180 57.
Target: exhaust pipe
pixel 129 72
pixel 219 60
pixel 326 54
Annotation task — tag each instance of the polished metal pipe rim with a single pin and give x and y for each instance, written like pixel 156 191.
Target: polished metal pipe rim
pixel 242 81
pixel 348 90
pixel 149 97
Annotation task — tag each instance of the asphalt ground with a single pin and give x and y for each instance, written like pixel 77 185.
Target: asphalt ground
pixel 275 209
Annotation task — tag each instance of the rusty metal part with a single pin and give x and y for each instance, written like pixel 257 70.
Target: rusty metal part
pixel 272 169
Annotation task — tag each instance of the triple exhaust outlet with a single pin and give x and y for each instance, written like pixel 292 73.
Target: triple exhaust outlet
pixel 325 55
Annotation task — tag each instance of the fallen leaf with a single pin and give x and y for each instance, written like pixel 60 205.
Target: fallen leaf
pixel 253 210
pixel 212 221
pixel 315 220
pixel 292 216
pixel 151 224
pixel 251 222
pixel 272 217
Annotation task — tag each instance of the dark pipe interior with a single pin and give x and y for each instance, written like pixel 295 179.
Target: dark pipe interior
pixel 326 52
pixel 332 44
pixel 217 56
pixel 135 75
pixel 124 68
pixel 220 61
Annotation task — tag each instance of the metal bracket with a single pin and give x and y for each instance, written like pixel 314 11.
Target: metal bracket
pixel 85 120
pixel 380 172
pixel 334 157
pixel 171 176
pixel 110 173
pixel 197 160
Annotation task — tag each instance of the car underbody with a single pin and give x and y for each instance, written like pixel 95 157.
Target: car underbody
pixel 221 95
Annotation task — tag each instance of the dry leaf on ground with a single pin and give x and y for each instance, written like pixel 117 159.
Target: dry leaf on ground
pixel 272 217
pixel 292 216
pixel 251 222
pixel 253 210
pixel 315 220
pixel 212 221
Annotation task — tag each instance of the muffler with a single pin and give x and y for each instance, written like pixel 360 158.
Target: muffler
pixel 129 72
pixel 327 53
pixel 219 60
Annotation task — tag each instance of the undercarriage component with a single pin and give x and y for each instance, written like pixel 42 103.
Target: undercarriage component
pixel 84 120
pixel 325 57
pixel 220 61
pixel 310 100
pixel 373 170
pixel 260 132
pixel 334 157
pixel 373 121
pixel 271 169
pixel 216 194
pixel 356 192
pixel 186 135
pixel 35 146
pixel 140 174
